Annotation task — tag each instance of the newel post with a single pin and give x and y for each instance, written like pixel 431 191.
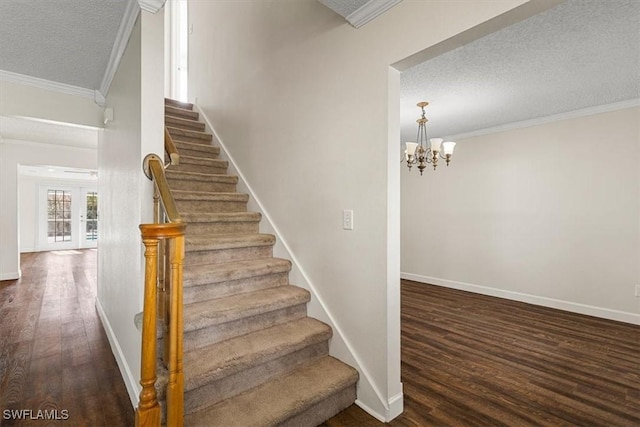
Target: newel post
pixel 148 411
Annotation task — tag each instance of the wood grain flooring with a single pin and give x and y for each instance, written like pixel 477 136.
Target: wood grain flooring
pixel 473 360
pixel 467 360
pixel 56 365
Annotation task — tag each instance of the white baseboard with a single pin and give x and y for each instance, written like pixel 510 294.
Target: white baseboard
pixel 370 411
pixel 574 307
pixel 14 275
pixel 396 406
pixel 340 346
pixel 133 388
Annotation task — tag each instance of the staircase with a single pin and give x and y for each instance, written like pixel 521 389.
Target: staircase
pixel 252 357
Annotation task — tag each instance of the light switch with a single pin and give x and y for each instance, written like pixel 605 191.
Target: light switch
pixel 347 219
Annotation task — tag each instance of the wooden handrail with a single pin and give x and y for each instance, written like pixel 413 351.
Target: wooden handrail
pixel 162 299
pixel 154 170
pixel 170 148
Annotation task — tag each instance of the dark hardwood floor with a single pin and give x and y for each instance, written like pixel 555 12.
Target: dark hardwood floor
pixel 467 360
pixel 54 354
pixel 473 360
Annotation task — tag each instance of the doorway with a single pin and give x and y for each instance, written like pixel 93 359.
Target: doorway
pixel 67 217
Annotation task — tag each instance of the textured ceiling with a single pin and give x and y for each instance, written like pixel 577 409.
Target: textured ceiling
pixel 66 41
pixel 344 8
pixel 580 54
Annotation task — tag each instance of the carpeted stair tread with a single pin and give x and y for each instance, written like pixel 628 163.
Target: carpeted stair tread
pixel 184 123
pixel 170 110
pixel 179 104
pixel 189 133
pixel 205 274
pixel 208 196
pixel 227 241
pixel 204 148
pixel 197 217
pixel 199 176
pixel 194 160
pixel 225 358
pixel 204 314
pixel 279 400
pixel 252 356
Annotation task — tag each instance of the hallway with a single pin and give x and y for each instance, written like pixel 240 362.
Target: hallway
pixel 55 359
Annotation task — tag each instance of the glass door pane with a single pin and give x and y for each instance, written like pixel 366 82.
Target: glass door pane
pixel 58 216
pixel 90 217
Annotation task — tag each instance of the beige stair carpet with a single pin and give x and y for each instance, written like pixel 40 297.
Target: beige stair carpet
pixel 252 355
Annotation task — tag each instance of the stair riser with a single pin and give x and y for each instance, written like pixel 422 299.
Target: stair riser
pixel 210 186
pixel 227 255
pixel 184 124
pixel 241 227
pixel 175 103
pixel 211 169
pixel 197 152
pixel 231 287
pixel 323 410
pixel 181 134
pixel 213 334
pixel 210 206
pixel 191 139
pixel 183 114
pixel 235 384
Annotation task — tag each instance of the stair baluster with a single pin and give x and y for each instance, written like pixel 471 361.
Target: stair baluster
pixel 162 300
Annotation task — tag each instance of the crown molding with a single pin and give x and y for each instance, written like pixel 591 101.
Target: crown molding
pixel 630 103
pixel 151 5
pixel 370 10
pixel 119 45
pixel 47 84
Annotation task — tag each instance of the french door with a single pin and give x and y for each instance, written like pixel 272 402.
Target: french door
pixel 68 217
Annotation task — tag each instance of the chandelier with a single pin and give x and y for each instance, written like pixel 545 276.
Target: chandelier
pixel 422 152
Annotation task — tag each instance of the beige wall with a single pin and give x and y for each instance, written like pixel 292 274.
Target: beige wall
pixel 546 214
pixel 126 195
pixel 305 104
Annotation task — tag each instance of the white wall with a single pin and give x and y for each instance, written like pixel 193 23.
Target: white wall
pixel 302 101
pixel 17 100
pixel 12 153
pixel 546 214
pixel 126 196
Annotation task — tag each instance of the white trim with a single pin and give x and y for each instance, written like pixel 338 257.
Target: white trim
pixel 365 377
pixel 133 388
pixel 370 411
pixel 47 84
pixel 14 275
pixel 151 5
pixel 100 99
pixel 396 406
pixel 574 307
pixel 119 45
pixel 549 119
pixel 369 11
pixel 27 250
pixel 55 122
pixel 25 143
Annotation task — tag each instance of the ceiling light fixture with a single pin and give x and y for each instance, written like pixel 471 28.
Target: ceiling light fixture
pixel 422 152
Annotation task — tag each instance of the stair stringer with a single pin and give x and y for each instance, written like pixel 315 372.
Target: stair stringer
pixel 369 396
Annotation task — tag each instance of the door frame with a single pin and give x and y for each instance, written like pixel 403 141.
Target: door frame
pixel 78 208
